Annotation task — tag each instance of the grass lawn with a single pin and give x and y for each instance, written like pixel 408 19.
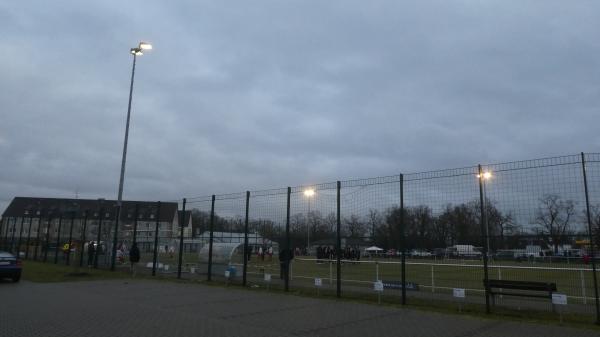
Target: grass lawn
pixel 49 272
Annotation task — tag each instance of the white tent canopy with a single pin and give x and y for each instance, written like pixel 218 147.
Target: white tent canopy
pixel 373 249
pixel 223 253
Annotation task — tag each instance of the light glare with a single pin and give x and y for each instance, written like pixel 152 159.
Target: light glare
pixel 145 45
pixel 309 192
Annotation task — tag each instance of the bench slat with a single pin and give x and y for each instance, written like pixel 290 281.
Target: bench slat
pixel 522 285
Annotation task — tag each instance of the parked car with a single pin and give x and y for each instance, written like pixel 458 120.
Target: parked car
pixel 462 251
pixel 419 253
pixel 506 254
pixel 439 252
pixel 10 266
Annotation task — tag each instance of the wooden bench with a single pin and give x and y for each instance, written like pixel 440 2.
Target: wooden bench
pixel 527 288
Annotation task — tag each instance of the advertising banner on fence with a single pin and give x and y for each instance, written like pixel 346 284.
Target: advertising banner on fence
pixel 398 285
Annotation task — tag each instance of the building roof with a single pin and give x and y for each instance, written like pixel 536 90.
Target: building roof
pixel 188 217
pixel 55 207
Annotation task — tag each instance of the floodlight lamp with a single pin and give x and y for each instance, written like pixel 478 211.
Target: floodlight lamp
pixel 309 192
pixel 145 46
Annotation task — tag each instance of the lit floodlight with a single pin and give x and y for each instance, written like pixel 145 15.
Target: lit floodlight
pixel 145 46
pixel 309 192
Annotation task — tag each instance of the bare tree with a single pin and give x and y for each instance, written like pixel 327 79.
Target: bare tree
pixel 595 222
pixel 419 223
pixel 354 227
pixel 375 220
pixel 553 216
pixel 330 222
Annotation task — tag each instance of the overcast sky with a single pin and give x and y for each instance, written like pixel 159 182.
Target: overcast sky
pixel 241 95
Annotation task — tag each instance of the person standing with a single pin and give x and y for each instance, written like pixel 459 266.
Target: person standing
pixel 134 257
pixel 91 252
pixel 270 253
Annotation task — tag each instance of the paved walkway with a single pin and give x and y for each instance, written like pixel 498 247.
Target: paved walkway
pixel 154 308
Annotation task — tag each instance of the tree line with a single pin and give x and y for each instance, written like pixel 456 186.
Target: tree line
pixel 555 222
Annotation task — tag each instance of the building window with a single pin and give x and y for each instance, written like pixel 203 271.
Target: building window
pixel 107 215
pixel 151 216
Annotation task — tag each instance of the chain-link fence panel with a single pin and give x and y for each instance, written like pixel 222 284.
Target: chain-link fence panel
pixel 266 238
pixel 370 247
pixel 313 238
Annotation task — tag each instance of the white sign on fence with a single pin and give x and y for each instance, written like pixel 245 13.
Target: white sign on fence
pixel 378 286
pixel 559 299
pixel 267 277
pixel 458 292
pixel 227 274
pixel 318 282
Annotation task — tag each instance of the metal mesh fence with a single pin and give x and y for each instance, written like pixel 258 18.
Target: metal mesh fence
pixel 313 240
pixel 493 237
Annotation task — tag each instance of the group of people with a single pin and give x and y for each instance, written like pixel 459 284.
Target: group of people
pixel 329 253
pixel 93 250
pixel 262 251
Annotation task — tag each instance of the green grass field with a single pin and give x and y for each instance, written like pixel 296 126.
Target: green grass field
pixel 436 276
pixel 49 272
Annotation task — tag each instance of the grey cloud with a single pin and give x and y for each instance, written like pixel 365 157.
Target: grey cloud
pixel 245 96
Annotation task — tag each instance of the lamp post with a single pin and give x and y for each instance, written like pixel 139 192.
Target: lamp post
pixel 137 51
pixel 308 193
pixel 485 176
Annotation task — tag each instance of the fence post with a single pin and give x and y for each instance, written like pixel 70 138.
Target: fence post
pixel 288 251
pixel 403 239
pixel 12 236
pixel 2 240
pixel 28 236
pixel 590 237
pixel 20 236
pixel 181 224
pixel 37 236
pixel 135 223
pixel 583 293
pixel 210 240
pixel 156 239
pixel 338 244
pixel 113 257
pixel 432 280
pixel 6 234
pixel 70 238
pixel 83 237
pixel 246 238
pixel 483 222
pixel 47 241
pixel 98 237
pixel 60 217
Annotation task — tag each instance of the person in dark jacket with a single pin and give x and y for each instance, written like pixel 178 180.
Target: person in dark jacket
pixel 134 256
pixel 91 252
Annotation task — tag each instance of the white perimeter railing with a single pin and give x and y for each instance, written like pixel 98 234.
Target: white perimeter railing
pixel 499 268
